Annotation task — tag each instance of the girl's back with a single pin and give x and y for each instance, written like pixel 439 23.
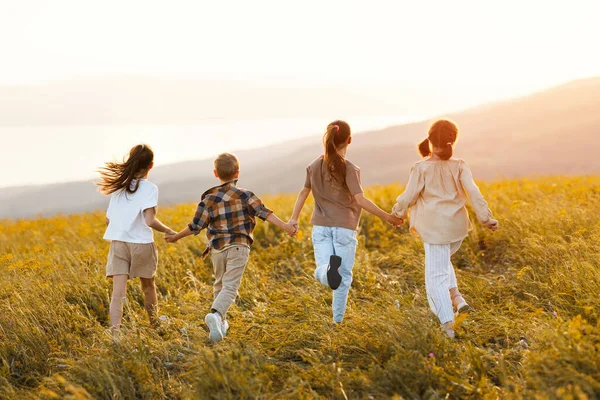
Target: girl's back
pixel 130 217
pixel 126 213
pixel 334 201
pixel 437 192
pixel 441 180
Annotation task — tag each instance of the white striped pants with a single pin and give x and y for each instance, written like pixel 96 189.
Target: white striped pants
pixel 440 278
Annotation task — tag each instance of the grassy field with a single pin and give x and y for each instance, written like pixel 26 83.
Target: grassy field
pixel 534 285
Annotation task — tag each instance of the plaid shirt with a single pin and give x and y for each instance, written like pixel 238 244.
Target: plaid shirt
pixel 229 214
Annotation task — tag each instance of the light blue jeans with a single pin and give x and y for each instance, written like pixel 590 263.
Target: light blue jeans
pixel 329 241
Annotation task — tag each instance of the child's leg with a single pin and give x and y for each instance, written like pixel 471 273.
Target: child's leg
pixel 144 262
pixel 215 320
pixel 453 282
pixel 454 293
pixel 345 246
pixel 116 303
pixel 219 261
pixel 150 302
pixel 118 268
pixel 457 300
pixel 236 260
pixel 437 281
pixel 322 238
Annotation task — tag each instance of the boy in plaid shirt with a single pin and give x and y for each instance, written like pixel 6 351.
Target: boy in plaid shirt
pixel 229 215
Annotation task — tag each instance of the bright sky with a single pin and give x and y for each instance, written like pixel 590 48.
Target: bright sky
pixel 312 41
pixel 484 49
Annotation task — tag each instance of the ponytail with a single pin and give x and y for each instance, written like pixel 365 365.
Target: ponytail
pixel 442 135
pixel 117 176
pixel 336 136
pixel 424 148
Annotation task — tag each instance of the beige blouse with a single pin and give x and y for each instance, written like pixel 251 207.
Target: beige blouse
pixel 436 195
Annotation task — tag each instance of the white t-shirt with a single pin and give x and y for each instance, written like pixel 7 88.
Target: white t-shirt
pixel 126 214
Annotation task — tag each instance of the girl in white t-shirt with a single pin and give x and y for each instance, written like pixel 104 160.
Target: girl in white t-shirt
pixel 130 218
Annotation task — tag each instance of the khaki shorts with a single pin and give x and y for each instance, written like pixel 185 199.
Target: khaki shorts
pixel 132 259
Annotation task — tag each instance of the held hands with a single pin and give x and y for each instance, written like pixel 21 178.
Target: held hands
pixel 396 211
pixel 171 236
pixel 292 227
pixel 394 221
pixel 396 218
pixel 492 224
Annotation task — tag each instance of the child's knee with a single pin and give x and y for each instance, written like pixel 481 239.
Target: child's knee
pixel 346 280
pixel 119 288
pixel 346 274
pixel 231 288
pixel 119 294
pixel 148 285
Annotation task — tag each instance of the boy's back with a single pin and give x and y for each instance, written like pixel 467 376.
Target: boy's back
pixel 229 215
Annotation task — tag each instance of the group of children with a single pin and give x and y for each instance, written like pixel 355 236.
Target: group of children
pixel 435 196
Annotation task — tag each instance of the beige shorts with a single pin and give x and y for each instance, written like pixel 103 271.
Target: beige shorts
pixel 133 259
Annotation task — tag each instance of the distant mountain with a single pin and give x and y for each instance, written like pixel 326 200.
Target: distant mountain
pixel 548 133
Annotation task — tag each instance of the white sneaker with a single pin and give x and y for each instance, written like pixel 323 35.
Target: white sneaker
pixel 215 325
pixel 225 328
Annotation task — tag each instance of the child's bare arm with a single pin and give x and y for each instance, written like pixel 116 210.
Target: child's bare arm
pixel 154 223
pixel 300 201
pixel 372 208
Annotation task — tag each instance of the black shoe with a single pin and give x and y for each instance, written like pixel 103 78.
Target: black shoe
pixel 333 275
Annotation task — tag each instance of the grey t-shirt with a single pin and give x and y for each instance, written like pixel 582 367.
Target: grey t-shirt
pixel 335 205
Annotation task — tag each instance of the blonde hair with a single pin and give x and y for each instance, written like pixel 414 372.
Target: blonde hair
pixel 227 165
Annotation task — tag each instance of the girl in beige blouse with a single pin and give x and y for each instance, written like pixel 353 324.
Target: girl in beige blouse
pixel 435 197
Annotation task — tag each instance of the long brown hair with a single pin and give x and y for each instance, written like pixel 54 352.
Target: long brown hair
pixel 117 176
pixel 336 136
pixel 443 135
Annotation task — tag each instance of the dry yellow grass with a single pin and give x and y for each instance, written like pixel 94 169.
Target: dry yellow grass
pixel 534 285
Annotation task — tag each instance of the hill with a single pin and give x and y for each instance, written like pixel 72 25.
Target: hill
pixel 547 133
pixel 534 332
